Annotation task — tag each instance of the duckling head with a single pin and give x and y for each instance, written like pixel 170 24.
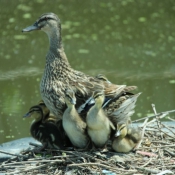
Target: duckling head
pixel 70 98
pixel 39 111
pixel 102 78
pixel 99 98
pixel 121 130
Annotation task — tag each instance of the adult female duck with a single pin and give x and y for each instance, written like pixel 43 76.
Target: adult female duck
pixel 58 73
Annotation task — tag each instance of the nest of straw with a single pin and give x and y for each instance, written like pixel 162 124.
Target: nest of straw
pixel 155 154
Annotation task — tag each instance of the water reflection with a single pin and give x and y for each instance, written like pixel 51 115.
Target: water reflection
pixel 21 72
pixel 131 43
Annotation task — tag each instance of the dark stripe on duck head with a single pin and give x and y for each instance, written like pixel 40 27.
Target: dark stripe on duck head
pixel 35 108
pixel 47 16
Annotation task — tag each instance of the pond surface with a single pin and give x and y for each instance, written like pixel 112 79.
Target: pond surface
pixel 131 42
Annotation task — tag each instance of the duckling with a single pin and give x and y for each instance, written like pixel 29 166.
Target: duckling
pixel 54 120
pixel 98 124
pixel 44 128
pixel 126 138
pixel 73 124
pixel 103 78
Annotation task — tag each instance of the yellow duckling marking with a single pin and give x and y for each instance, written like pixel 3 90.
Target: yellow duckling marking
pixel 73 124
pixel 98 124
pixel 126 138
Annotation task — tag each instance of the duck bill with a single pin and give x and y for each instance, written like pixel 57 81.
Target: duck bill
pixel 31 28
pixel 27 115
pixel 117 133
pixel 73 101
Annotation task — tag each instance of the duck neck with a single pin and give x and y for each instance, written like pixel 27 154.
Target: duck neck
pixel 56 60
pixel 56 50
pixel 55 40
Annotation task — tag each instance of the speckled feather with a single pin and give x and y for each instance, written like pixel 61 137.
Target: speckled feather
pixel 58 74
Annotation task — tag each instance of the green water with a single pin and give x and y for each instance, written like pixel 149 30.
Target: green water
pixel 132 42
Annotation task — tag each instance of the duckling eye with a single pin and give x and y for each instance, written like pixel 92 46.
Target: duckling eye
pixel 96 96
pixel 122 128
pixel 67 95
pixel 69 98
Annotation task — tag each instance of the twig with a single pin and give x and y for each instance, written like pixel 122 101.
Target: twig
pixel 157 117
pixel 147 162
pixel 28 162
pixel 171 153
pixel 17 155
pixel 171 119
pixel 142 135
pixel 98 164
pixel 173 145
pixel 167 112
pixel 160 142
pixel 33 168
pixel 168 128
pixel 161 116
pixel 92 164
pixel 147 170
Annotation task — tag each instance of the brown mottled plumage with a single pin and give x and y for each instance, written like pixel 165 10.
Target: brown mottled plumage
pixel 58 73
pixel 122 108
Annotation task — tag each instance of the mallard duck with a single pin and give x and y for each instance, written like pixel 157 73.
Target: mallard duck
pixel 126 138
pixel 58 73
pixel 73 124
pixel 98 124
pixel 45 129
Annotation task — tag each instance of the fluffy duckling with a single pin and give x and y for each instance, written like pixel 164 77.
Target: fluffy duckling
pixel 52 119
pixel 44 127
pixel 73 124
pixel 98 124
pixel 126 138
pixel 103 78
